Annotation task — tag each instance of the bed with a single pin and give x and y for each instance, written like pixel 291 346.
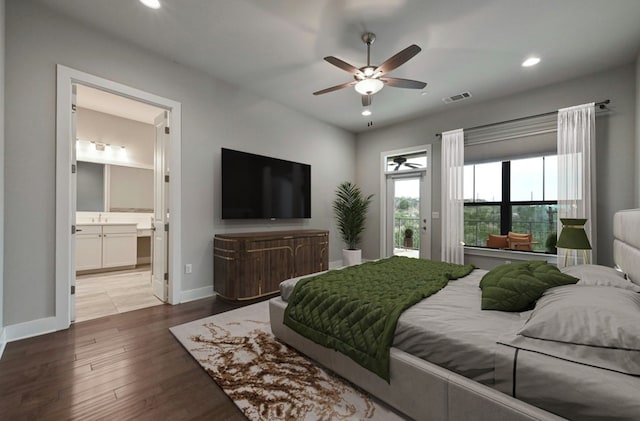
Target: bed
pixel 470 363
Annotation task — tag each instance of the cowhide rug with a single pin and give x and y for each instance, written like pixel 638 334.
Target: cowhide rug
pixel 267 379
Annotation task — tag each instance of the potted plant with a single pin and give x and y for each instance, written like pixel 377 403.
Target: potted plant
pixel 408 238
pixel 350 207
pixel 550 243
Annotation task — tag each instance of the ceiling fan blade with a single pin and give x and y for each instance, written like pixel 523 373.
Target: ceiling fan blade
pixel 411 165
pixel 366 100
pixel 335 88
pixel 344 65
pixel 403 83
pixel 397 167
pixel 398 60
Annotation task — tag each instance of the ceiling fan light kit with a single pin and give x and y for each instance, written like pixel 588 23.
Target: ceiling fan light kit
pixel 369 86
pixel 369 79
pixel 152 4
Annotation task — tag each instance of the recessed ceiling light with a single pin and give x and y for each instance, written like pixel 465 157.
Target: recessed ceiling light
pixel 153 4
pixel 531 61
pixel 366 112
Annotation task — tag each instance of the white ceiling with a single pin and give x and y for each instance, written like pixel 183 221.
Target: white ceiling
pixel 275 48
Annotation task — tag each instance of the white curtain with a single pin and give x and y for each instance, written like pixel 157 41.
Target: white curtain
pixel 452 196
pixel 576 168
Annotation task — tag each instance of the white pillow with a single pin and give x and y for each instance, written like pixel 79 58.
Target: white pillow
pixel 587 315
pixel 595 275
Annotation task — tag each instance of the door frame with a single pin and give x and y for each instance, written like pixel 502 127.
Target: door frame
pixel 65 215
pixel 426 206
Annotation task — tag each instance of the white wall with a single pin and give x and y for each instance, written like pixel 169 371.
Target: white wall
pixel 214 115
pixel 138 139
pixel 615 150
pixel 2 53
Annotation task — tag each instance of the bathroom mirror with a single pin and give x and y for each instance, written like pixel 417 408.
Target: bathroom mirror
pixel 113 188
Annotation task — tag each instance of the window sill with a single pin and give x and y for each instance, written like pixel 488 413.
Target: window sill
pixel 508 255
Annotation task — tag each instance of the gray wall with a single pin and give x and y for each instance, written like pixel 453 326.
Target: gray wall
pixel 214 115
pixel 2 53
pixel 615 150
pixel 637 173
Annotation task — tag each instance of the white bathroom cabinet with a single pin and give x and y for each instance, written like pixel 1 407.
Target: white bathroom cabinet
pixel 105 246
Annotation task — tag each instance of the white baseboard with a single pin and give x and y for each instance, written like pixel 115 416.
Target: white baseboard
pixel 30 329
pixel 335 264
pixel 196 294
pixel 3 340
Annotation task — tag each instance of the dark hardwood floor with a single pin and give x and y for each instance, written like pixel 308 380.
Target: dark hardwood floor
pixel 126 366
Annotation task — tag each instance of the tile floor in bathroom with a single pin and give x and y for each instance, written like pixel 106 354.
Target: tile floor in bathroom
pixel 104 294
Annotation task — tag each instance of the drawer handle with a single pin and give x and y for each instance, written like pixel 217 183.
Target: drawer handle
pixel 77 230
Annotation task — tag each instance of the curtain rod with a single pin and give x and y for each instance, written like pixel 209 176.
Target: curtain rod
pixel 601 105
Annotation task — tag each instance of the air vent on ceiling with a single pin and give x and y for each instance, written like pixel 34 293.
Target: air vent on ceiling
pixel 455 98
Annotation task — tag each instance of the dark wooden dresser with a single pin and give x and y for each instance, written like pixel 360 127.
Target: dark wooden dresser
pixel 252 264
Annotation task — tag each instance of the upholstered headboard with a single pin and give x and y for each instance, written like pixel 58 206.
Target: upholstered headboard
pixel 626 242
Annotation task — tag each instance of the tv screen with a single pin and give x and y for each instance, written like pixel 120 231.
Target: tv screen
pixel 260 187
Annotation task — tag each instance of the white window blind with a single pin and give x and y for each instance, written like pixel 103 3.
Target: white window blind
pixel 528 137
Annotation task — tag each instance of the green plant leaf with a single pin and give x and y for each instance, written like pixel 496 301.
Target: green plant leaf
pixel 351 207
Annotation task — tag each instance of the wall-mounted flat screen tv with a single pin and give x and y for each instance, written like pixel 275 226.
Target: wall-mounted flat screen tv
pixel 260 187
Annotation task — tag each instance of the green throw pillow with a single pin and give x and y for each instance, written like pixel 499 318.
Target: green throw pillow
pixel 517 286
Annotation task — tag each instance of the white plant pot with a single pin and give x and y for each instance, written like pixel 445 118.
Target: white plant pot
pixel 351 257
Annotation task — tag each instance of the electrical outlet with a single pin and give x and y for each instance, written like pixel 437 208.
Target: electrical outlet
pixel 188 268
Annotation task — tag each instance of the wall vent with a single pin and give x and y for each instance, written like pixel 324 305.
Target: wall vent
pixel 456 98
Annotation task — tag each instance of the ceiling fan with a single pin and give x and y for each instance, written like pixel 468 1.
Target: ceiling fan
pixel 370 79
pixel 402 161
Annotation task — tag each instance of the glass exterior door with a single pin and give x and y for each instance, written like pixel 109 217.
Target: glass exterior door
pixel 406 217
pixel 407 209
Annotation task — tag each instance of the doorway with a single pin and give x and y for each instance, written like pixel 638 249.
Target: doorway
pixel 406 193
pixel 66 184
pixel 116 147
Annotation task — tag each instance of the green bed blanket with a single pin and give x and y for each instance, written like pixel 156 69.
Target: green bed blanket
pixel 355 310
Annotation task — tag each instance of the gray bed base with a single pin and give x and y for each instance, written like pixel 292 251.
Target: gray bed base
pixel 418 389
pixel 425 391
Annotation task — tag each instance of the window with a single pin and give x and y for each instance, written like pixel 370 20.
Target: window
pixel 518 195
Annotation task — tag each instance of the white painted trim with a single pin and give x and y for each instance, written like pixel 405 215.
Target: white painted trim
pixel 383 191
pixel 335 264
pixel 30 329
pixel 64 219
pixel 113 162
pixel 196 294
pixel 509 255
pixel 3 340
pixel 175 204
